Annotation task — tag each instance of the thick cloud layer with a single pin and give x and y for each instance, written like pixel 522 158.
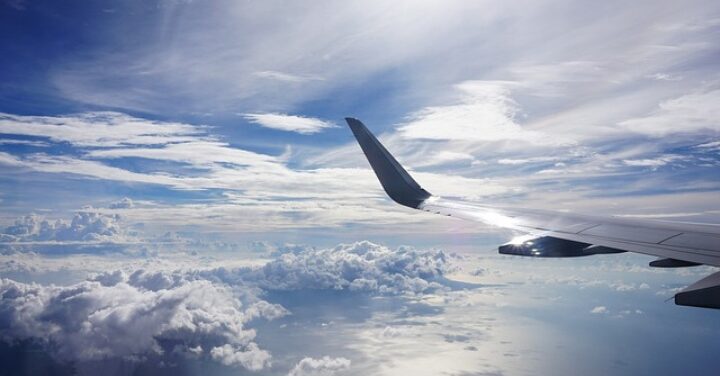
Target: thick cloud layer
pixel 202 314
pixel 114 318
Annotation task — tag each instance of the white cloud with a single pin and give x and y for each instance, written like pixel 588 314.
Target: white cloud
pixel 654 163
pixel 204 312
pixel 512 161
pixel 125 203
pixel 85 226
pixel 599 310
pixel 664 77
pixel 325 366
pixel 486 112
pixel 39 144
pixel 250 357
pixel 201 154
pixel 710 146
pixel 362 266
pixel 120 320
pixel 291 123
pixel 690 113
pixel 391 332
pixel 99 129
pixel 287 77
pixel 445 157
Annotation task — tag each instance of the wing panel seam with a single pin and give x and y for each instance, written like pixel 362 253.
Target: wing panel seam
pixel 670 237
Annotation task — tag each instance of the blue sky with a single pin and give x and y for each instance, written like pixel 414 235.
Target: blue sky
pixel 201 141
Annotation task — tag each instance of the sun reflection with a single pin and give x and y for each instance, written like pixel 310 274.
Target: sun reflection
pixel 518 240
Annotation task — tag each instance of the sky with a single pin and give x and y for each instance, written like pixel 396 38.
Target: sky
pixel 179 193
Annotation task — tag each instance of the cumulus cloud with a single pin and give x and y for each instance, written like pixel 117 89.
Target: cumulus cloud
pixel 361 266
pixel 291 123
pixel 599 310
pixel 251 357
pixel 150 313
pixel 85 226
pixel 325 366
pixel 113 317
pixel 125 203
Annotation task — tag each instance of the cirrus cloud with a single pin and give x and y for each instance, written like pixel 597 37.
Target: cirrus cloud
pixel 291 123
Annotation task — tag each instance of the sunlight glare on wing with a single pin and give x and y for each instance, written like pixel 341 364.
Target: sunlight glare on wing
pixel 518 240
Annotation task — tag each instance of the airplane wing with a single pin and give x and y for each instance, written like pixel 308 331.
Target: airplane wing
pixel 557 234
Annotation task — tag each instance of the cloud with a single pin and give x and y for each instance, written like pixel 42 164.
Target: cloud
pixel 85 226
pixel 325 366
pixel 291 123
pixel 486 112
pixel 38 144
pixel 664 77
pixel 125 203
pixel 198 153
pixel 99 129
pixel 362 266
pixel 599 310
pixel 655 162
pixel 690 113
pixel 510 161
pixel 250 357
pixel 118 319
pixel 710 146
pixel 287 77
pixel 445 157
pixel 149 312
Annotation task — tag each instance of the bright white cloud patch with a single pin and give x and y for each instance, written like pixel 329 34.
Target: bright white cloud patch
pixel 486 112
pixel 325 366
pixel 291 123
pixel 689 113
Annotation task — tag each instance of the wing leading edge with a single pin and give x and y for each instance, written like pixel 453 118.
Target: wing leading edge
pixel 563 234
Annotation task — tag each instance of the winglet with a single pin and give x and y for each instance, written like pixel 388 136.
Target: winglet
pixel 398 184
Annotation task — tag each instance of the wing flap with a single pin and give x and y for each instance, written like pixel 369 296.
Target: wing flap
pixel 695 241
pixel 632 233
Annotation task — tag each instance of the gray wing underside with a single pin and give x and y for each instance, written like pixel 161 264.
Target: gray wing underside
pixel 677 244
